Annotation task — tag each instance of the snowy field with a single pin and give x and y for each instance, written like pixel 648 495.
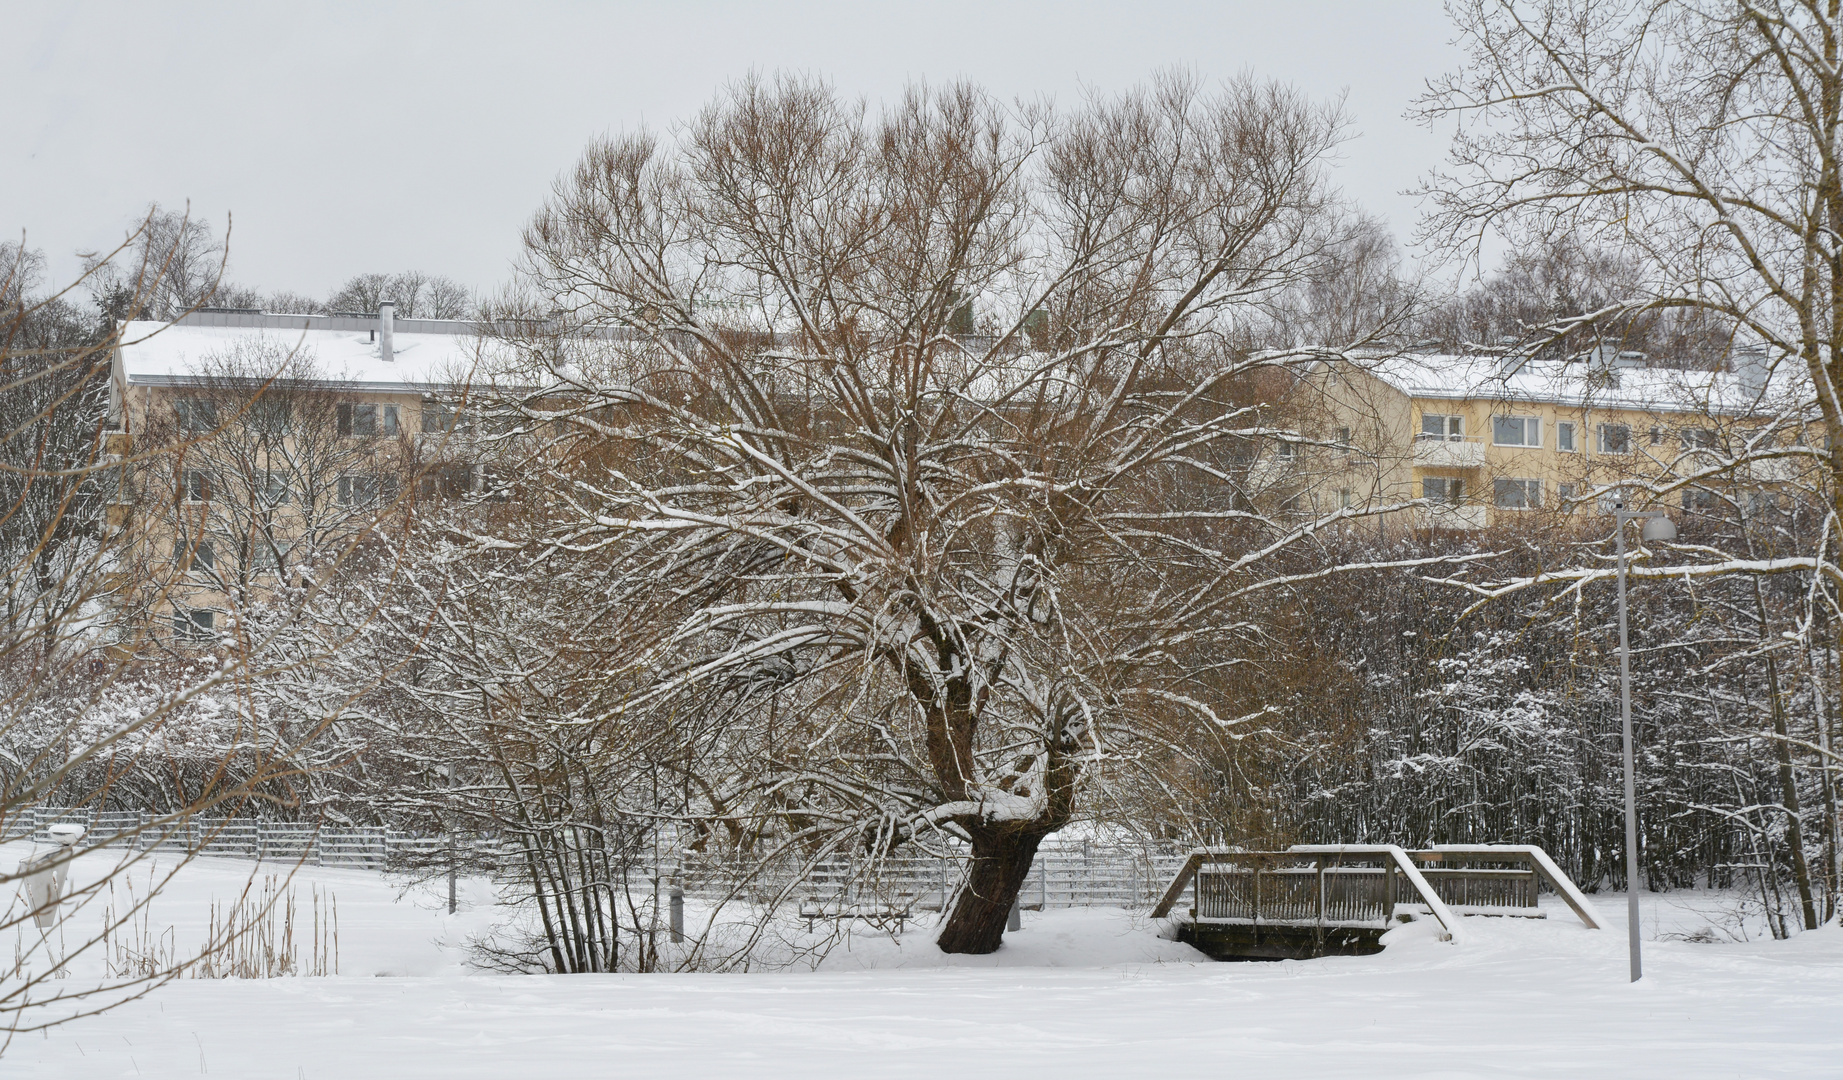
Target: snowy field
pixel 1077 993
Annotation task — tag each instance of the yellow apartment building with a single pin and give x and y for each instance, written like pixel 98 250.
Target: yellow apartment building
pixel 1486 440
pixel 260 443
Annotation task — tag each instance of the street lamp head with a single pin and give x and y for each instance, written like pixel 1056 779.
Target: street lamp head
pixel 66 833
pixel 1659 528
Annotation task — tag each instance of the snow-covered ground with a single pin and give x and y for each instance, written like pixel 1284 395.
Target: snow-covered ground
pixel 1075 994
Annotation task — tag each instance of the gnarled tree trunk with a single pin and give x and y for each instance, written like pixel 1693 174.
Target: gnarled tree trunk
pixel 1002 856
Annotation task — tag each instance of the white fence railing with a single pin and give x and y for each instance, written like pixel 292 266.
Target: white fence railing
pixel 1062 875
pixel 363 846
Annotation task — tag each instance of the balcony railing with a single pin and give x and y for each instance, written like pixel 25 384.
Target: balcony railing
pixel 1435 452
pixel 1466 516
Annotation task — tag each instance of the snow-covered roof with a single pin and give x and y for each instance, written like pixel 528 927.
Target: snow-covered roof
pixel 427 353
pixel 1573 384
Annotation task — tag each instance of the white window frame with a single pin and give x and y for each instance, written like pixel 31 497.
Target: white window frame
pixel 275 487
pixel 1532 431
pixel 1565 437
pixel 195 413
pixel 351 487
pixel 1600 438
pixel 1452 490
pixel 198 559
pixel 1452 427
pixel 196 479
pixel 368 420
pixel 190 628
pixel 267 558
pixel 270 416
pixel 442 418
pixel 1530 486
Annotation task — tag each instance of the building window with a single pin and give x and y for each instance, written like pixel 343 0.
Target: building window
pixel 1564 436
pixel 367 420
pixel 1615 439
pixel 196 414
pixel 196 558
pixel 197 484
pixel 194 625
pixel 269 416
pixel 1516 494
pixel 1699 438
pixel 1564 494
pixel 1343 438
pixel 1442 426
pixel 1657 436
pixel 496 483
pixel 1698 499
pixel 1286 451
pixel 275 490
pixel 1443 489
pixel 267 556
pixel 1344 498
pixel 439 416
pixel 358 489
pixel 447 482
pixel 1516 431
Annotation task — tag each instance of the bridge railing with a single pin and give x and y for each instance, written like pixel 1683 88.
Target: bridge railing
pixel 1360 885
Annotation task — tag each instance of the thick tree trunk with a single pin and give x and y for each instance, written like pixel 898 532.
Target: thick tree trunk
pixel 1788 792
pixel 1001 859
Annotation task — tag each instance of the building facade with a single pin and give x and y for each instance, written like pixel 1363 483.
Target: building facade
pixel 258 447
pixel 1486 440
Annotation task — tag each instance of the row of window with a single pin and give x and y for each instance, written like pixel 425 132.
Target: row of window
pixel 1511 493
pixel 355 489
pixel 1517 493
pixel 1525 432
pixel 353 418
pixel 201 558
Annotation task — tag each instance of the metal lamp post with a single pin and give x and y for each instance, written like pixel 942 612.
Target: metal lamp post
pixel 1656 527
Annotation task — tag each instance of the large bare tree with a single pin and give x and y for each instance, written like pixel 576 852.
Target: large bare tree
pixel 925 436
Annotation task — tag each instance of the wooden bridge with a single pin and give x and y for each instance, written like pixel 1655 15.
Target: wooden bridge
pixel 1338 899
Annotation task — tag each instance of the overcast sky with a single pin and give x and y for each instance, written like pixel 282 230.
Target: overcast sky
pixel 347 138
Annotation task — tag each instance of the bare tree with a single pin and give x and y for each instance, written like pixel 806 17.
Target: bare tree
pixel 417 295
pixel 171 263
pixel 1536 301
pixel 293 303
pixel 926 437
pixel 97 720
pixel 1695 141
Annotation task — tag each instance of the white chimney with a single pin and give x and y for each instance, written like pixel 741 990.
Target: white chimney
pixel 387 317
pixel 1752 366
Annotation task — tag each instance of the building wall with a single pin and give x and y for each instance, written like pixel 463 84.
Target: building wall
pixel 1392 461
pixel 340 489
